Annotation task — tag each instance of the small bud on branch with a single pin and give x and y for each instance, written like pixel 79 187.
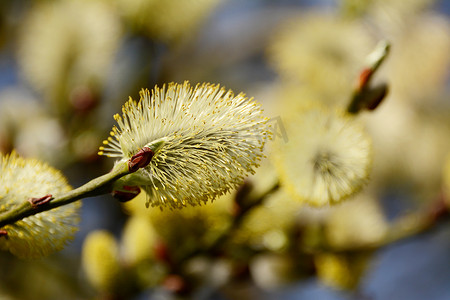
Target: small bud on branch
pixel 124 196
pixel 3 233
pixel 140 159
pixel 36 202
pixel 365 96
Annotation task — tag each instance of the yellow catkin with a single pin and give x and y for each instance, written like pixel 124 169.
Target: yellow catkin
pixel 328 156
pixel 100 259
pixel 139 240
pixel 205 140
pixel 43 233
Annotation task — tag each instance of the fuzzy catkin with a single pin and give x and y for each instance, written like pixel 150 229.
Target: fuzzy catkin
pixel 207 138
pixel 328 157
pixel 45 232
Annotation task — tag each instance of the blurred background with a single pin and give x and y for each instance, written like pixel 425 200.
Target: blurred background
pixel 66 66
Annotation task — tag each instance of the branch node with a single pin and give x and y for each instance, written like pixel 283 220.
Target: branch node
pixel 36 202
pixel 129 194
pixel 140 160
pixel 3 233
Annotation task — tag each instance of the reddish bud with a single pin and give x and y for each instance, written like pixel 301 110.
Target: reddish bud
pixel 140 159
pixel 83 99
pixel 175 283
pixel 3 233
pixel 364 78
pixel 377 94
pixel 438 209
pixel 35 202
pixel 162 252
pixel 236 209
pixel 124 196
pixel 243 192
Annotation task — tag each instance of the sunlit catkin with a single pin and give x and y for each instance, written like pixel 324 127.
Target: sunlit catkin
pixel 41 234
pixel 327 158
pixel 205 141
pixel 100 259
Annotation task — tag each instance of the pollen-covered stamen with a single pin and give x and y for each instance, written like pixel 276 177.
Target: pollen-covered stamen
pixel 3 233
pixel 140 159
pixel 124 196
pixel 35 202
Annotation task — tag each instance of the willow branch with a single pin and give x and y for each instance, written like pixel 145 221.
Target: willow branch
pixel 98 186
pixel 246 206
pixel 404 227
pixel 241 215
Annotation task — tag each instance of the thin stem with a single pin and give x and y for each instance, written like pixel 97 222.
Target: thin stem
pixel 98 186
pixel 406 226
pixel 237 221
